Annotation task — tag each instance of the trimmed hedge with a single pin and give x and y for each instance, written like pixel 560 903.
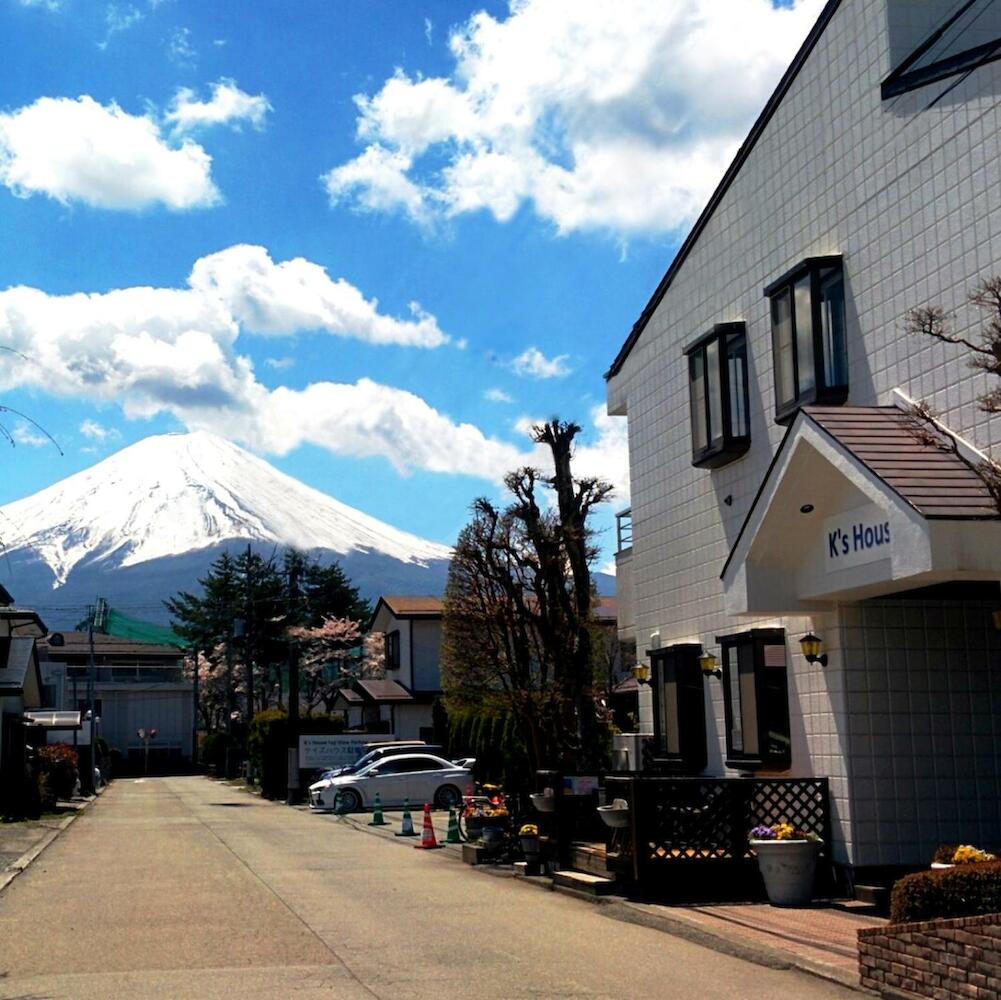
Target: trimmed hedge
pixel 267 745
pixel 963 891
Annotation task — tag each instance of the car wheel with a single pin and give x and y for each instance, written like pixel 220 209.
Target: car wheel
pixel 447 797
pixel 350 800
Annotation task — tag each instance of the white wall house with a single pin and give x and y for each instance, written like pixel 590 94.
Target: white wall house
pixel 138 685
pixel 412 628
pixel 777 488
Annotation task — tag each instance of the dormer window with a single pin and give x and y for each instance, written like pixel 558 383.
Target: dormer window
pixel 809 348
pixel 717 385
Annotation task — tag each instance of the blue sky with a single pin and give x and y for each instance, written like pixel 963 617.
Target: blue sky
pixel 367 241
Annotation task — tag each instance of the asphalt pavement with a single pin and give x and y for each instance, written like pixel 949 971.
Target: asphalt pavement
pixel 185 887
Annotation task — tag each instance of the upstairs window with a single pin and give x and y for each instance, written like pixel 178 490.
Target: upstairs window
pixel 678 709
pixel 717 384
pixel 756 699
pixel 809 347
pixel 392 650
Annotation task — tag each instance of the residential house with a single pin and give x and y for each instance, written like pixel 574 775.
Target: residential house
pixel 20 691
pixel 779 491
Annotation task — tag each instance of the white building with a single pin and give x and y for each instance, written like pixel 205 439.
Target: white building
pixel 137 686
pixel 776 489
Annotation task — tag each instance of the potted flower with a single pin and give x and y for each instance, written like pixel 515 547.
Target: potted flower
pixel 787 860
pixel 529 834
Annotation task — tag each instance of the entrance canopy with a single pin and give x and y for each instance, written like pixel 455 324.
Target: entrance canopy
pixel 55 720
pixel 857 504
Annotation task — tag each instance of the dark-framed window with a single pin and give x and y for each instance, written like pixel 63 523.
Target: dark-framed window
pixel 679 715
pixel 717 388
pixel 809 346
pixel 392 650
pixel 756 699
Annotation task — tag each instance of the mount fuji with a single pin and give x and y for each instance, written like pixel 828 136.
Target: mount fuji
pixel 147 522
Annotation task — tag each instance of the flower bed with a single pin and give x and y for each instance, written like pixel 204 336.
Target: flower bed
pixel 964 891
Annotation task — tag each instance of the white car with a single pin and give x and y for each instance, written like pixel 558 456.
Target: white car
pixel 414 777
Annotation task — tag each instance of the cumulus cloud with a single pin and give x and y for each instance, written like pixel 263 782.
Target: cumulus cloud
pixel 83 151
pixel 23 433
pixel 532 363
pixel 542 107
pixel 280 364
pixel 228 105
pixel 94 431
pixel 497 396
pixel 175 351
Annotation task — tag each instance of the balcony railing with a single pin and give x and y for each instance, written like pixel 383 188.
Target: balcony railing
pixel 624 530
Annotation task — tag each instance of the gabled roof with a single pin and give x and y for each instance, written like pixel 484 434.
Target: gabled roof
pixel 5 599
pixel 935 481
pixel 17 655
pixel 412 606
pixel 78 643
pixel 724 185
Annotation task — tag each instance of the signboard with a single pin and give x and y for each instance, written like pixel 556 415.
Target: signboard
pixel 856 537
pixel 580 784
pixel 320 751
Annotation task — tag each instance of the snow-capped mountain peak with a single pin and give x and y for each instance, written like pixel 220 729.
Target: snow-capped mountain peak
pixel 172 494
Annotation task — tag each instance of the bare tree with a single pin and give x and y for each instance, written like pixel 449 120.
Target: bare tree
pixel 518 609
pixel 933 322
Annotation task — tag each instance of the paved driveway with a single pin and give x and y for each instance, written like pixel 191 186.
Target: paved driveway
pixel 182 887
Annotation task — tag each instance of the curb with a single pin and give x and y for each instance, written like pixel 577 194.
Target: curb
pixel 679 925
pixel 23 862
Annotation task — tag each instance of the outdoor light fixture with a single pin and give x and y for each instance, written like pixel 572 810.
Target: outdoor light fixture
pixel 807 508
pixel 810 644
pixel 642 673
pixel 707 662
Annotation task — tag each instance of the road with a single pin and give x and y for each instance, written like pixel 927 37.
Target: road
pixel 184 887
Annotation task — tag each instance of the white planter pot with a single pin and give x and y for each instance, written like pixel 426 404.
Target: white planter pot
pixel 787 867
pixel 544 803
pixel 616 814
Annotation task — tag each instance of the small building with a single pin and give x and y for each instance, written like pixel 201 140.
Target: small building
pixel 779 492
pixel 412 630
pixel 137 686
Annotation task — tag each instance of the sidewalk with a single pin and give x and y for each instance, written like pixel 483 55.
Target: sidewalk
pixel 23 841
pixel 820 939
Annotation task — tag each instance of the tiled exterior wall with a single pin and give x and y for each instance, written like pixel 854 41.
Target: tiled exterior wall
pixel 909 195
pixel 938 959
pixel 923 721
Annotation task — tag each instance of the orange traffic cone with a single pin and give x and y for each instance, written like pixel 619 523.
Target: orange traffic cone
pixel 428 841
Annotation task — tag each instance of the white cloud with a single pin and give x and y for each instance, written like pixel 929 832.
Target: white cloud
pixel 24 433
pixel 377 181
pixel 543 107
pixel 43 4
pixel 119 17
pixel 532 363
pixel 179 48
pixel 297 294
pixel 279 364
pixel 497 396
pixel 428 29
pixel 79 150
pixel 228 105
pixel 94 431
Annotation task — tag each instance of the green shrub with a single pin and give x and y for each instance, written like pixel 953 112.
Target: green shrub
pixel 58 762
pixel 213 749
pixel 964 891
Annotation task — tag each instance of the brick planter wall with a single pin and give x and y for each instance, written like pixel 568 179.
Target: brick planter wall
pixel 939 959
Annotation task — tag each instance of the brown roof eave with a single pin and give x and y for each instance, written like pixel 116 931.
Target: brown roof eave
pixel 724 185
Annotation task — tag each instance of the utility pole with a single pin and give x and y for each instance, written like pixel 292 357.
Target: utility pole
pixel 293 685
pixel 249 646
pixel 194 716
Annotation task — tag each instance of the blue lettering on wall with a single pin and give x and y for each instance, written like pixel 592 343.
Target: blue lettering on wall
pixel 859 537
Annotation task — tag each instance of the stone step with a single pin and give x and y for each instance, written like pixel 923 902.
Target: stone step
pixel 593 885
pixel 588 859
pixel 874 895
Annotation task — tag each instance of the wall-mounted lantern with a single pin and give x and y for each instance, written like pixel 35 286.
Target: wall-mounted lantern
pixel 642 673
pixel 707 663
pixel 811 646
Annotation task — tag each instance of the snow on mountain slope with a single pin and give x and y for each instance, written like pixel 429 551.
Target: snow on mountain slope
pixel 176 493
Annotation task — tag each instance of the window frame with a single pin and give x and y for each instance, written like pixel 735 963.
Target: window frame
pixel 393 650
pixel 821 391
pixel 722 444
pixel 691 755
pixel 767 711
